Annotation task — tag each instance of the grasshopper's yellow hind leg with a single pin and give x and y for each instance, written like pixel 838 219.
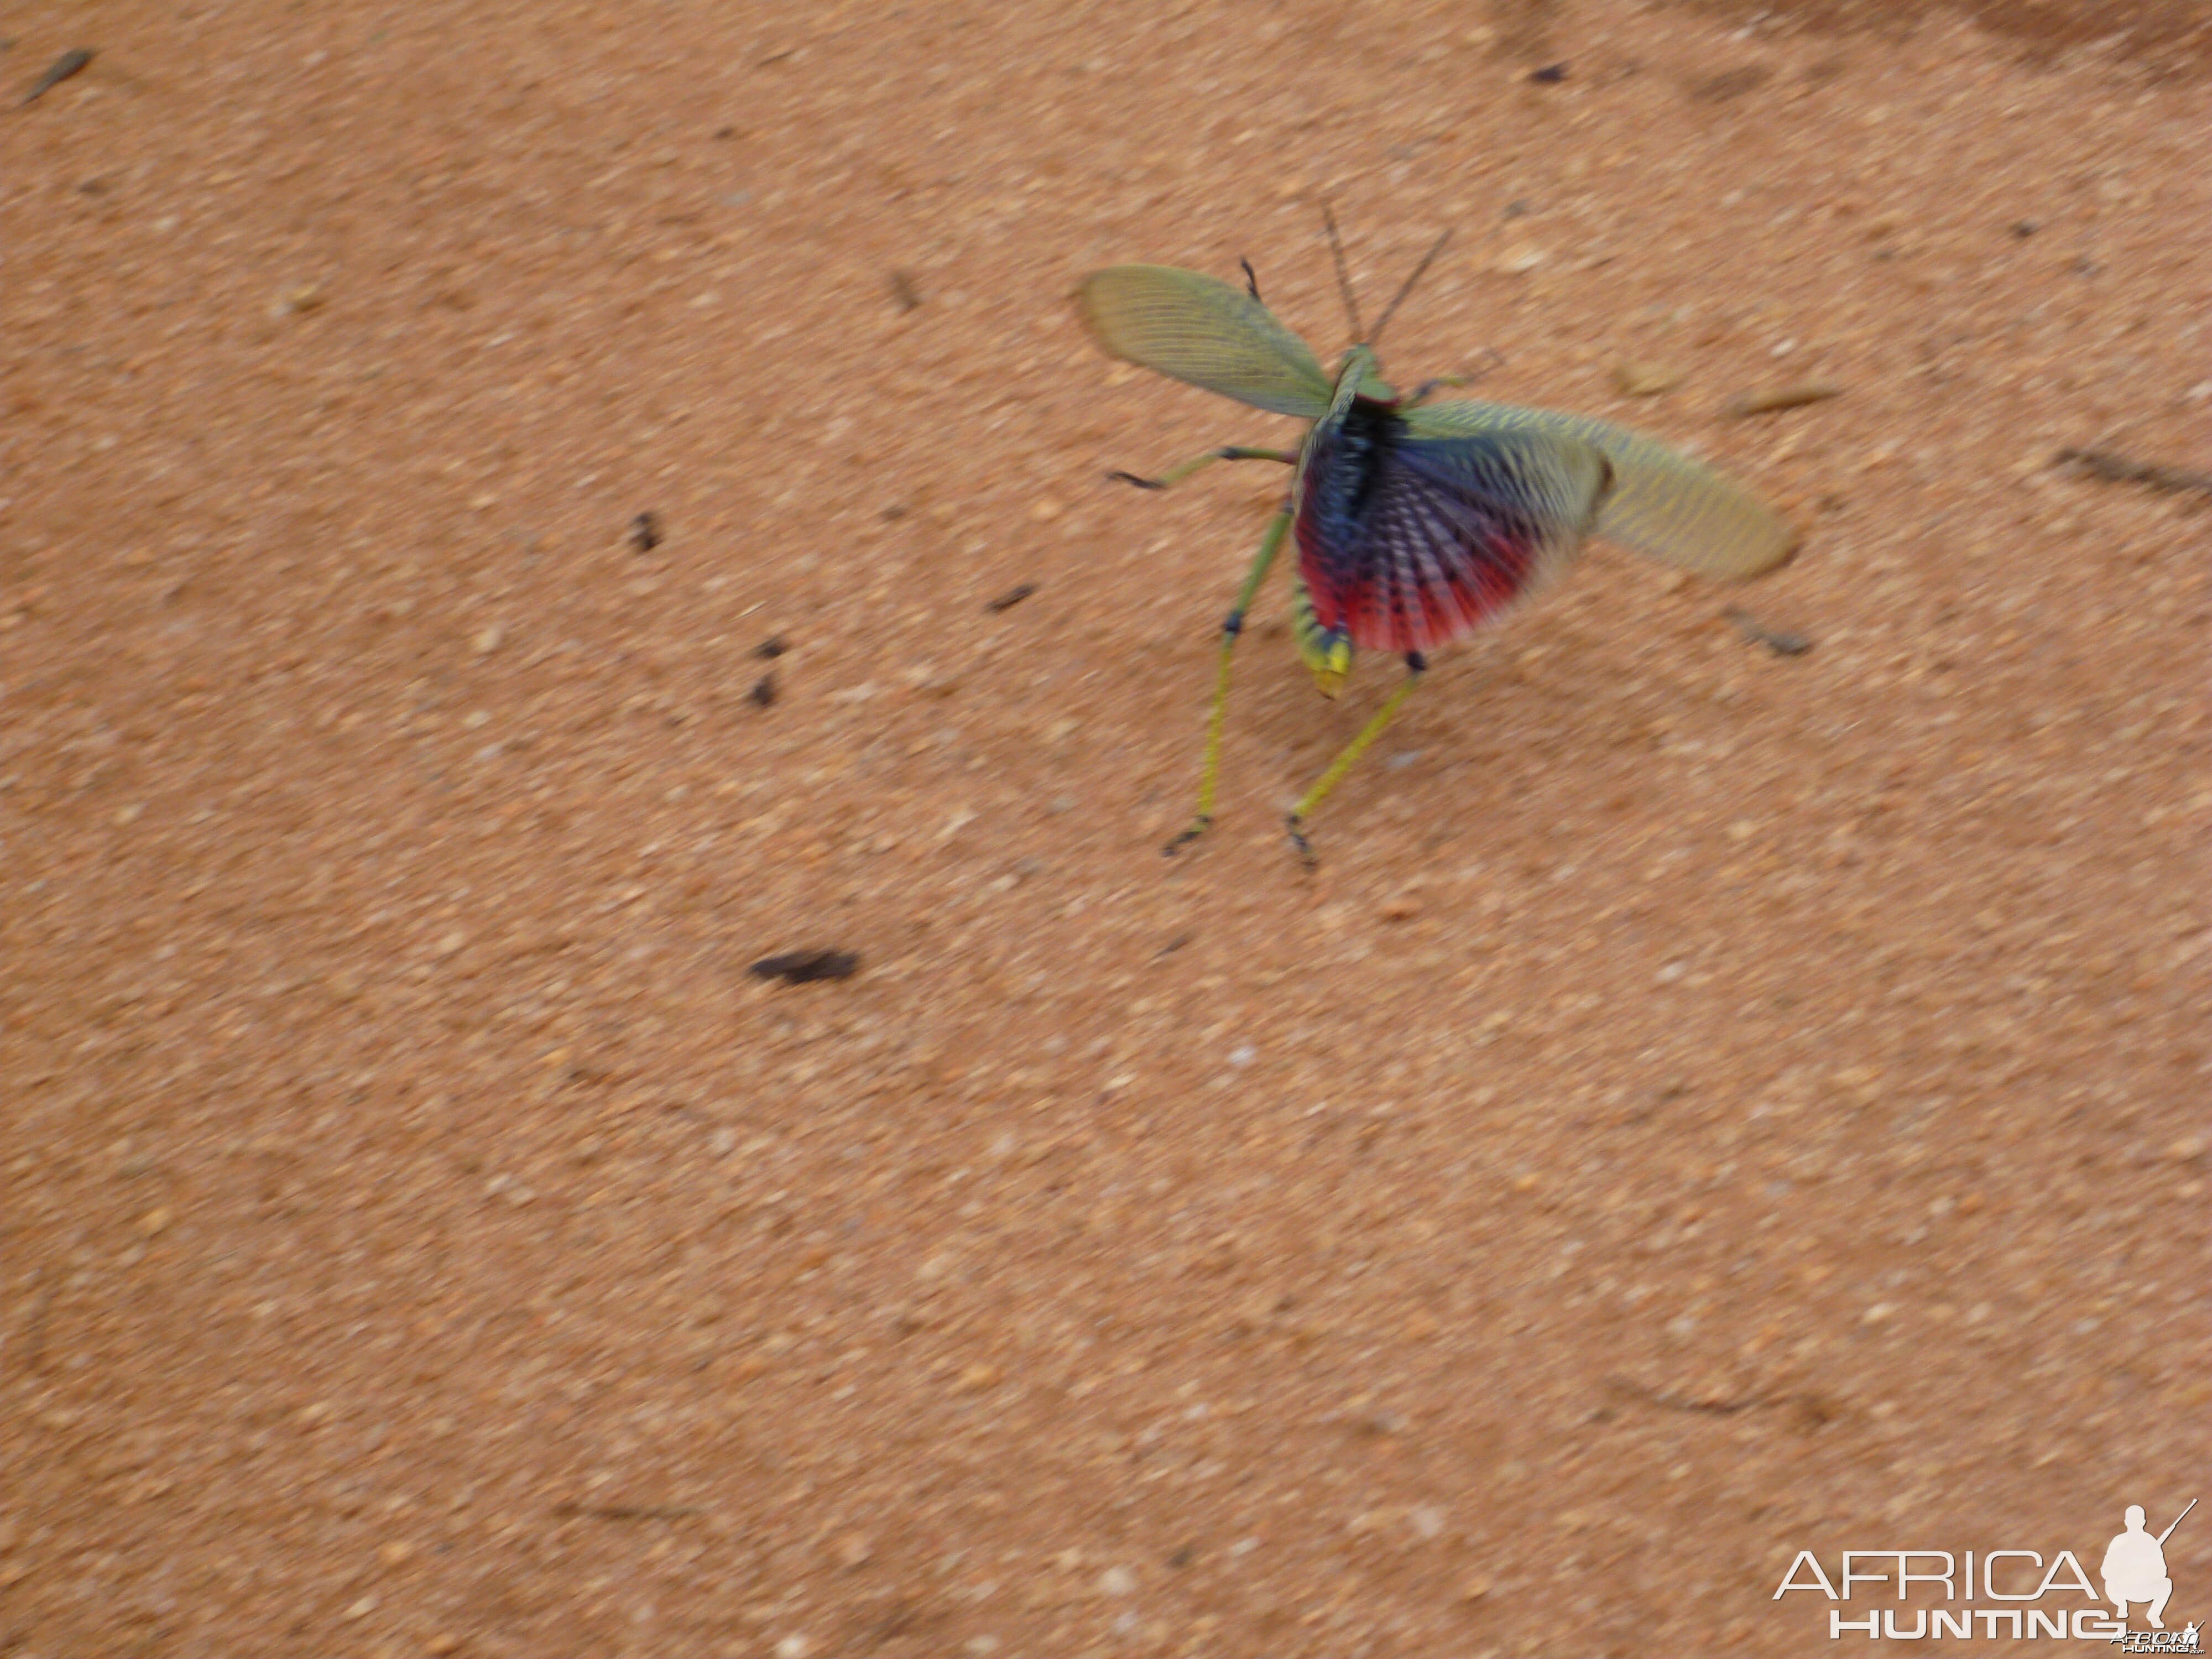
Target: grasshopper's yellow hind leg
pixel 1210 771
pixel 1176 475
pixel 1415 666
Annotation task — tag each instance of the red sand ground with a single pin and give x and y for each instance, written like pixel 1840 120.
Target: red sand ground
pixel 1709 1104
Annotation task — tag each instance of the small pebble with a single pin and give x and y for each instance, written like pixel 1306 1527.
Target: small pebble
pixel 645 532
pixel 1401 906
pixel 1117 1581
pixel 295 301
pixel 1796 396
pixel 771 647
pixel 805 967
pixel 69 63
pixel 1642 380
pixel 488 639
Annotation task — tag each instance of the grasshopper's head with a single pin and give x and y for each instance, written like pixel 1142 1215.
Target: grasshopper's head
pixel 1359 373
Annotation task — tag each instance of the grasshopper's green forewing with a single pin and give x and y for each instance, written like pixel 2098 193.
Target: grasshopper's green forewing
pixel 1663 504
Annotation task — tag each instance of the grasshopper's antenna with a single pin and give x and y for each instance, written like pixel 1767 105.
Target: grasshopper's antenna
pixel 1390 310
pixel 1343 275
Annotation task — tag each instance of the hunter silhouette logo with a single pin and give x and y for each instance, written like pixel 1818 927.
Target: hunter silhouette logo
pixel 2007 1594
pixel 2135 1570
pixel 2134 1567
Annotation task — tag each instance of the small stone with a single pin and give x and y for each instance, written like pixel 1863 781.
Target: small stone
pixel 1117 1581
pixel 1400 906
pixel 854 1551
pixel 1427 1520
pixel 1639 379
pixel 450 943
pixel 154 1221
pixel 488 639
pixel 1878 1314
pixel 1475 1590
pixel 1519 259
pixel 1781 397
pixel 360 1609
pixel 1045 510
pixel 443 1642
pixel 793 1647
pixel 1421 1325
pixel 975 1378
pixel 1525 1182
pixel 1242 1055
pixel 297 302
pixel 127 816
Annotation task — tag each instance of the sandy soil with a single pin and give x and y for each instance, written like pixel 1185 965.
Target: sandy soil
pixel 1709 1104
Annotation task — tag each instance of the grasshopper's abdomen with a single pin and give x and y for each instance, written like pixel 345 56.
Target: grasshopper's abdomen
pixel 1344 471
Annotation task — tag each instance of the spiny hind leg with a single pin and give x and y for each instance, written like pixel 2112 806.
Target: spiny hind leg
pixel 1227 452
pixel 1416 666
pixel 1210 770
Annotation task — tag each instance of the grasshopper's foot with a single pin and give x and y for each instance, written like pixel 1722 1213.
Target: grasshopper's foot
pixel 1296 825
pixel 1142 483
pixel 1199 825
